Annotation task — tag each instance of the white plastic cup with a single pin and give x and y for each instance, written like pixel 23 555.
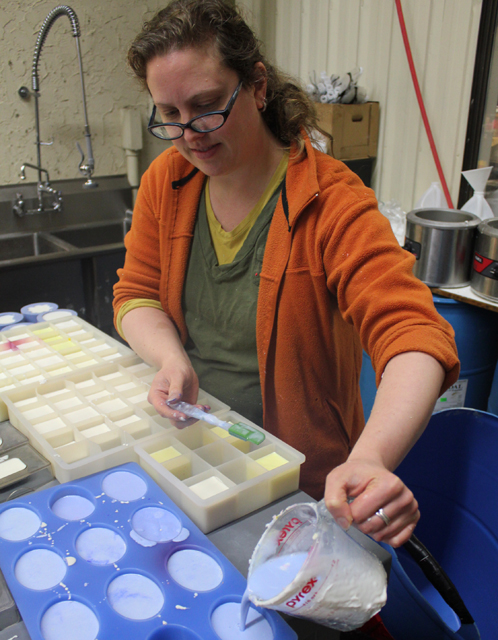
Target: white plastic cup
pixel 340 584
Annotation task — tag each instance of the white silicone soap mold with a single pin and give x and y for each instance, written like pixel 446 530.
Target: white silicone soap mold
pixel 97 417
pixel 48 350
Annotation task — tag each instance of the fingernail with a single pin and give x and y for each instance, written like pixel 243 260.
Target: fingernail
pixel 344 523
pixel 182 419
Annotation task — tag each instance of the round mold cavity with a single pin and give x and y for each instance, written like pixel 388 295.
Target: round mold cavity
pixel 69 619
pixel 156 524
pixel 124 486
pixel 100 545
pixel 135 596
pixel 225 623
pixel 194 569
pixel 174 632
pixel 40 569
pixel 72 503
pixel 18 523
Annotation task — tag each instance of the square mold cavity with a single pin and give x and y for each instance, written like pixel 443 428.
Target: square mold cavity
pixel 195 436
pixel 282 464
pixel 253 489
pixel 81 415
pixel 77 450
pixel 68 401
pixel 137 428
pixel 237 443
pixel 112 406
pixel 48 426
pixel 218 453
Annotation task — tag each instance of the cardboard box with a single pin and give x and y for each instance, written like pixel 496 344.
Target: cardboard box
pixel 354 127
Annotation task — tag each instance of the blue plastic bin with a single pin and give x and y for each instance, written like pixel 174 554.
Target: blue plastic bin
pixel 493 396
pixel 453 472
pixel 477 343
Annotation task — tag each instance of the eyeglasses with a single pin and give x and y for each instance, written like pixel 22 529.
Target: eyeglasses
pixel 204 123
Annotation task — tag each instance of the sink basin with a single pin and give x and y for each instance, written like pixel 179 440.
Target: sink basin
pixel 28 245
pixel 94 235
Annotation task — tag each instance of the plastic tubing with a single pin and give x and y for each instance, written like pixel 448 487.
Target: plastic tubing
pixel 421 103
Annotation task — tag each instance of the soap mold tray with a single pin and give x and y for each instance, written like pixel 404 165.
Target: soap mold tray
pixel 111 556
pixel 93 419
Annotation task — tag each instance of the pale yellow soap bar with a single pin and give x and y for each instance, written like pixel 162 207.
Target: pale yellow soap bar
pixel 209 487
pixel 165 454
pixel 272 461
pixel 221 433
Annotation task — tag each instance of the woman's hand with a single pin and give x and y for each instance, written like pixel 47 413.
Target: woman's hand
pixel 175 381
pixel 358 489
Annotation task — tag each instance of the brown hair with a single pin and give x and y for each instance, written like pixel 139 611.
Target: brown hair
pixel 196 23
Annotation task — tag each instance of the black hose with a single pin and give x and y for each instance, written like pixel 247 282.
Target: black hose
pixel 438 578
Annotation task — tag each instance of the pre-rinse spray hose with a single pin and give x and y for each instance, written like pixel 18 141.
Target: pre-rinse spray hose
pixel 421 103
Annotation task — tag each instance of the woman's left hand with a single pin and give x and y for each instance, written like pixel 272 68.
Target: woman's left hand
pixel 376 501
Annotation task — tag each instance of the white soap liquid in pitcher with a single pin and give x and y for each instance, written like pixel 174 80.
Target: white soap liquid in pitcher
pixel 270 579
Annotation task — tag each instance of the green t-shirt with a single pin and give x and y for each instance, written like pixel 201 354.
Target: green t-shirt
pixel 220 303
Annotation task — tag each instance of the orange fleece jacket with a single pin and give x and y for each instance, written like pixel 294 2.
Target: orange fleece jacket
pixel 334 279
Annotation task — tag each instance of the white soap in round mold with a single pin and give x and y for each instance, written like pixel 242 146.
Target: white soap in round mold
pixel 18 523
pixel 225 622
pixel 135 596
pixel 195 570
pixel 156 524
pixel 9 319
pixel 40 569
pixel 33 310
pixel 100 546
pixel 73 507
pixel 124 486
pixel 69 619
pixel 55 315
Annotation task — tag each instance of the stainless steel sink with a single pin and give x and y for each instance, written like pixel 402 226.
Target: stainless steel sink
pixel 95 234
pixel 29 245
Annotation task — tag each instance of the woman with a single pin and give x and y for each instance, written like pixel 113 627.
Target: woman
pixel 259 267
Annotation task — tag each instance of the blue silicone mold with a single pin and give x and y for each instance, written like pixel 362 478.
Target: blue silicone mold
pixel 134 529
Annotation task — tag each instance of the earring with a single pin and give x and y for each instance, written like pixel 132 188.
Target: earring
pixel 265 104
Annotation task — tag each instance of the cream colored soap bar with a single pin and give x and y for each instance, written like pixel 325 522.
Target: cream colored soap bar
pixel 14 465
pixel 96 431
pixel 272 461
pixel 208 487
pixel 49 425
pixel 30 414
pixel 165 454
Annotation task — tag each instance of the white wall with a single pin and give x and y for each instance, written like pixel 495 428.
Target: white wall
pixel 107 28
pixel 338 35
pixel 299 35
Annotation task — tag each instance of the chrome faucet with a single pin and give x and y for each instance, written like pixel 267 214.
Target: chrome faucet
pixel 85 168
pixel 43 187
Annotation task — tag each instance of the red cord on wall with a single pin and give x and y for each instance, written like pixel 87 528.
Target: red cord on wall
pixel 421 104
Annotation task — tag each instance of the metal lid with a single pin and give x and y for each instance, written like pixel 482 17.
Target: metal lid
pixel 443 218
pixel 489 227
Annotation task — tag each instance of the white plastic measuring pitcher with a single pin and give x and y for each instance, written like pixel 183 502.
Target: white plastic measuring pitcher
pixel 306 565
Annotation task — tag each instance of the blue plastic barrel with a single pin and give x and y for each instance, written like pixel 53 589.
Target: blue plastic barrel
pixel 476 337
pixel 453 473
pixel 493 396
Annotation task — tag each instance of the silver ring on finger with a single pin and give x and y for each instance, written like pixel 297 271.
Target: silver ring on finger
pixel 383 516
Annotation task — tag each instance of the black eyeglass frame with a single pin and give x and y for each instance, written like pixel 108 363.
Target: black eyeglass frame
pixel 190 124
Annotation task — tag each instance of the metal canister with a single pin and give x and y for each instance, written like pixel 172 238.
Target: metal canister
pixel 484 279
pixel 442 241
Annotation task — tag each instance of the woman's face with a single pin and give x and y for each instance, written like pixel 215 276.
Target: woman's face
pixel 190 82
